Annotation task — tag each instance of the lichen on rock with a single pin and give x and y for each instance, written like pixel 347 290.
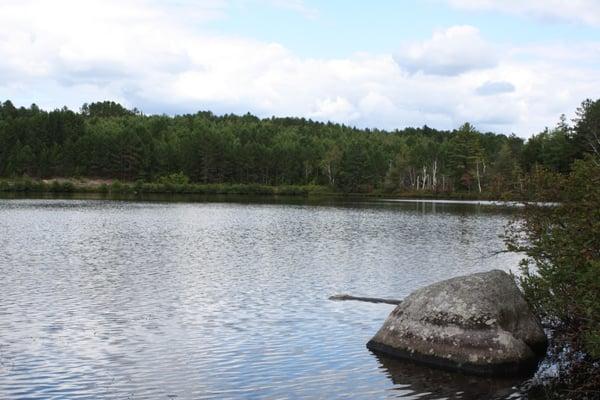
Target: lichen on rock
pixel 478 323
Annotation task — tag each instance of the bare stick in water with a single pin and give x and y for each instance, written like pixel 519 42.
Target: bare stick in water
pixel 343 297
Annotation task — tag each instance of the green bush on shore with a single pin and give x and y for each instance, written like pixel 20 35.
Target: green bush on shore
pixel 176 184
pixel 163 186
pixel 560 275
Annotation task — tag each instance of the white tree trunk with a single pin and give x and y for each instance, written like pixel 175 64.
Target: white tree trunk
pixel 434 175
pixel 478 177
pixel 330 174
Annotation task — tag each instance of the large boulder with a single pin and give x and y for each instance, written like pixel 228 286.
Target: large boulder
pixel 478 323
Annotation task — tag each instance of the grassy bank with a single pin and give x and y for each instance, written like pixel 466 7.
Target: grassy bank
pixel 61 185
pixel 72 185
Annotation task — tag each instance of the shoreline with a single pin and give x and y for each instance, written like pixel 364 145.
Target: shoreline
pixel 138 188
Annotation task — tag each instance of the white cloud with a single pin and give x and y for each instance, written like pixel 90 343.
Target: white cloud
pixel 338 109
pixel 452 51
pixel 157 58
pixel 377 103
pixel 586 11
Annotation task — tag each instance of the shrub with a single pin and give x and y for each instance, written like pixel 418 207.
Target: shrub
pixel 178 178
pixel 55 186
pixel 560 275
pixel 116 187
pixel 138 186
pixel 68 186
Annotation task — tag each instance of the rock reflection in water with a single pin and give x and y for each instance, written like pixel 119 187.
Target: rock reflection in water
pixel 415 381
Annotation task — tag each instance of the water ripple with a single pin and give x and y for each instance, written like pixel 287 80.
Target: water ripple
pixel 219 300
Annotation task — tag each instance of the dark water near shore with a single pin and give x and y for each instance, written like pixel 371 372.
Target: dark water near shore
pixel 125 299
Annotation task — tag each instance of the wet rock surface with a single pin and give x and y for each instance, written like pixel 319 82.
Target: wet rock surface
pixel 478 323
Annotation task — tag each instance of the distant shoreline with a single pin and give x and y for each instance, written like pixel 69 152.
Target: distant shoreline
pixel 116 187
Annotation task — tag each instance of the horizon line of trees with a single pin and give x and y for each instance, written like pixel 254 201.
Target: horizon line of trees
pixel 106 140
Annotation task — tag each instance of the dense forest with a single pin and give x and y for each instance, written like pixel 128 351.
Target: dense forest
pixel 106 140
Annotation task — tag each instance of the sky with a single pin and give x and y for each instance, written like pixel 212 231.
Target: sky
pixel 507 66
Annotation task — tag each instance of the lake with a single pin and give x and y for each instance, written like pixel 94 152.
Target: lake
pixel 227 298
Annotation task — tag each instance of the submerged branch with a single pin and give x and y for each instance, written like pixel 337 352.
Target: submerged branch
pixel 343 297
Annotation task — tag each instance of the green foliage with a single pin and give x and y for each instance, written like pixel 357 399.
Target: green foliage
pixel 106 140
pixel 561 274
pixel 178 178
pixel 554 149
pixel 106 109
pixel 466 158
pixel 58 187
pixel 586 133
pixel 117 187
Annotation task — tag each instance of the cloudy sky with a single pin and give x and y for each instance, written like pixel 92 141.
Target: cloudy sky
pixel 503 65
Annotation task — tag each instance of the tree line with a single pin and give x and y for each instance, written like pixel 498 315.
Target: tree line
pixel 106 140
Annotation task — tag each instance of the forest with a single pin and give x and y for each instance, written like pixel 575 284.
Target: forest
pixel 105 140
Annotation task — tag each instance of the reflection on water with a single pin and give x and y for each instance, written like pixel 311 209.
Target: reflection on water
pixel 123 299
pixel 412 380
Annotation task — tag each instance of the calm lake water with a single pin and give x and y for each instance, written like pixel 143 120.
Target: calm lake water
pixel 125 299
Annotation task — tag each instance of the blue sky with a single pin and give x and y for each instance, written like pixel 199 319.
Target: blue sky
pixel 339 28
pixel 505 66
